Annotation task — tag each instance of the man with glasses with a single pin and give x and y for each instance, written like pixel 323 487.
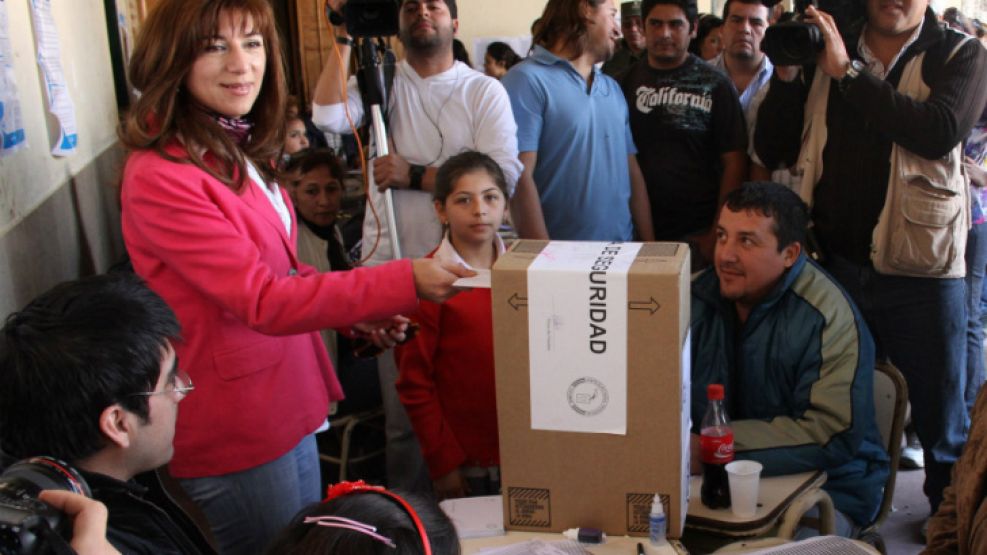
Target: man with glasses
pixel 88 375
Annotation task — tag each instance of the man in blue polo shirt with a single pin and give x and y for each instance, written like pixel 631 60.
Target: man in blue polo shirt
pixel 581 180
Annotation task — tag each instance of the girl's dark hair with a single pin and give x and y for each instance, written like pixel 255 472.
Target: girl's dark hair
pixel 462 164
pixel 374 509
pixel 502 53
pixel 309 159
pixel 704 26
pixel 561 20
pixel 171 39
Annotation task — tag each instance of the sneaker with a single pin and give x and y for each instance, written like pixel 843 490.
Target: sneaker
pixel 912 458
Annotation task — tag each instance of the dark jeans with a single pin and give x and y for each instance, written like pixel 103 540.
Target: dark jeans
pixel 976 262
pixel 920 325
pixel 248 509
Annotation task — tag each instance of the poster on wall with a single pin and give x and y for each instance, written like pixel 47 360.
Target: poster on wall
pixel 12 136
pixel 50 59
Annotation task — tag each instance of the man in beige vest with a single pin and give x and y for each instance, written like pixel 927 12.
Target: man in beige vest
pixel 880 116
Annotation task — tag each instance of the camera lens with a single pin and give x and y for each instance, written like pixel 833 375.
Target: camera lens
pixel 24 519
pixel 39 473
pixel 792 43
pixel 372 18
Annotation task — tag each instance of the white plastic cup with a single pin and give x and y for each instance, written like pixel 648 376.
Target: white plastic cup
pixel 744 477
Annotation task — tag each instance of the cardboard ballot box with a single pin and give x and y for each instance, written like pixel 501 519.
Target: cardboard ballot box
pixel 592 362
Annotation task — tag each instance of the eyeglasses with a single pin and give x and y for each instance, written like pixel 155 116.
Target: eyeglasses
pixel 180 387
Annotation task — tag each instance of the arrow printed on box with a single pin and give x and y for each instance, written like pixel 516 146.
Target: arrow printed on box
pixel 651 305
pixel 517 301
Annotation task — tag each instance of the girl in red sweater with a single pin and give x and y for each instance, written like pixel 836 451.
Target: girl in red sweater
pixel 446 380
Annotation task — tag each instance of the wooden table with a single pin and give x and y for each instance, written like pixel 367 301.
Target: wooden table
pixel 775 495
pixel 623 545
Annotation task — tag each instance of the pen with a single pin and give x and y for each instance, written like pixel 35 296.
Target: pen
pixel 640 548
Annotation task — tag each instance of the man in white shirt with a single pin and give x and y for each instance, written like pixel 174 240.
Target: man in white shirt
pixel 437 108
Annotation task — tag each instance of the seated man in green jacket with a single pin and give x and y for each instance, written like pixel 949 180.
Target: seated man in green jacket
pixel 792 351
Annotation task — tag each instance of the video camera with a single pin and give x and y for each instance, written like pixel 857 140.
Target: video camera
pixel 27 525
pixel 368 18
pixel 795 42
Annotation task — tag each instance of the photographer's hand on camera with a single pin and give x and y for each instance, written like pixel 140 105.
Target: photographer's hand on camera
pixel 88 521
pixel 833 60
pixel 335 72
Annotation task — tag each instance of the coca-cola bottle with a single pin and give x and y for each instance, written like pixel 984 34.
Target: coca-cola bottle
pixel 716 447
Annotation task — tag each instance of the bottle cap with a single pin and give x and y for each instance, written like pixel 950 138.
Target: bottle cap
pixel 714 392
pixel 585 535
pixel 657 508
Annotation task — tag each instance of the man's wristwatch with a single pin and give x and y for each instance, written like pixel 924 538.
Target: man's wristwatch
pixel 344 40
pixel 853 69
pixel 415 175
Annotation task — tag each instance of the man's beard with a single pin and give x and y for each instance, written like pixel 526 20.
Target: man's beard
pixel 427 43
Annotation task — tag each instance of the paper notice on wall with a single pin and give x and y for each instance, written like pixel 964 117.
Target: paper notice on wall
pixel 12 136
pixel 577 334
pixel 50 60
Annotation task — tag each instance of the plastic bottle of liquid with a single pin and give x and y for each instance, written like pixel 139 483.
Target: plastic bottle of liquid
pixel 716 447
pixel 657 524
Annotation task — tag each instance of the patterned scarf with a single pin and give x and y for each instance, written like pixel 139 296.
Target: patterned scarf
pixel 237 128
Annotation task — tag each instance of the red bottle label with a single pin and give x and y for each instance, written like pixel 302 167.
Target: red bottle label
pixel 716 449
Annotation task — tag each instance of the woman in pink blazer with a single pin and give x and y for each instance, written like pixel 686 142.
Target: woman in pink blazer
pixel 209 229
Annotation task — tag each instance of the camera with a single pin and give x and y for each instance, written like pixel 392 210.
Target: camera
pixel 371 18
pixel 28 525
pixel 795 42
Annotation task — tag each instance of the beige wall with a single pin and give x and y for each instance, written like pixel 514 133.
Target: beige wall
pixel 496 18
pixel 505 18
pixel 57 215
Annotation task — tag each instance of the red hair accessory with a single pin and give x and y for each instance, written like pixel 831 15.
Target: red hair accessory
pixel 346 488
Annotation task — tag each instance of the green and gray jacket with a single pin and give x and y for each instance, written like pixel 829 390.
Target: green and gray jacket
pixel 799 380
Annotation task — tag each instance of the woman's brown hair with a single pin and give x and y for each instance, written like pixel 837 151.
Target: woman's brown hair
pixel 171 39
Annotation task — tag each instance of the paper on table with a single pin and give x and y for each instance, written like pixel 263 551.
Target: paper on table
pixel 538 547
pixel 50 59
pixel 480 281
pixel 577 336
pixel 11 127
pixel 476 517
pixel 822 545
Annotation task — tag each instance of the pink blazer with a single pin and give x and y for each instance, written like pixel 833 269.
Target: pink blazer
pixel 249 310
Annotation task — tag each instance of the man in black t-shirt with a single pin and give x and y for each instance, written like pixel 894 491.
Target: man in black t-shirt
pixel 688 127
